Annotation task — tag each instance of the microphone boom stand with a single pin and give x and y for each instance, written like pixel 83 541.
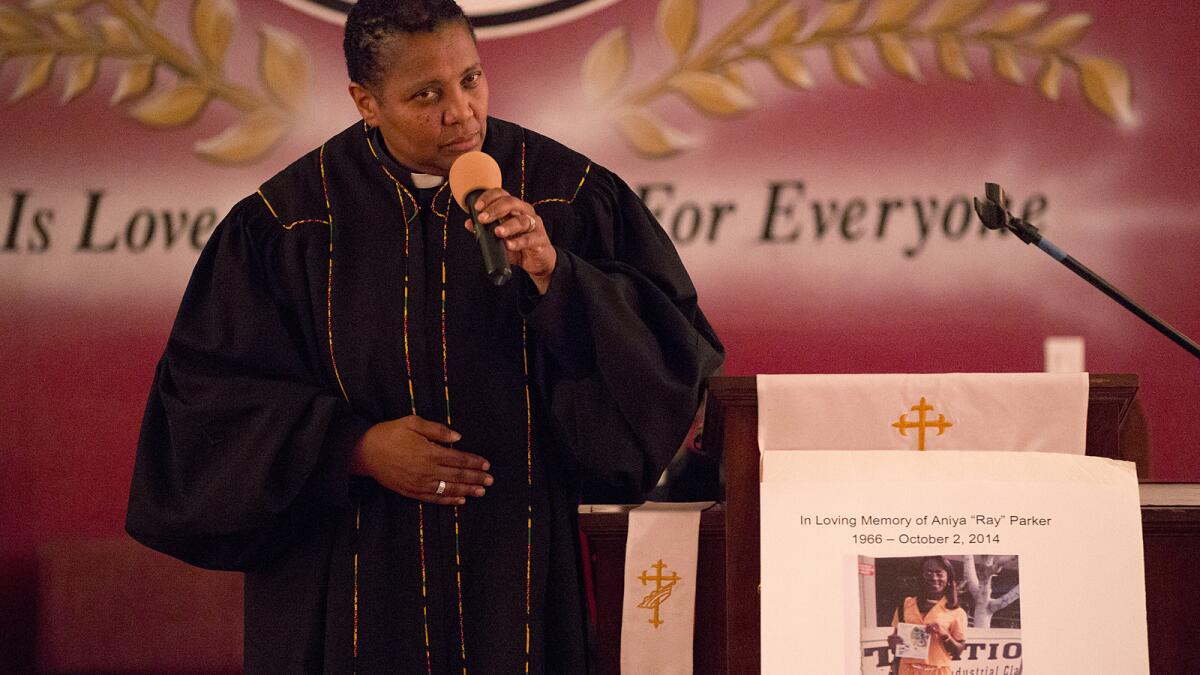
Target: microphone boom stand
pixel 994 216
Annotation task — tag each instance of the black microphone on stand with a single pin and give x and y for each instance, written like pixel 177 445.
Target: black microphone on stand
pixel 994 216
pixel 471 175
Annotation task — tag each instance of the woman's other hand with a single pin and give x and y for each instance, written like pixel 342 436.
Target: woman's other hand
pixel 411 456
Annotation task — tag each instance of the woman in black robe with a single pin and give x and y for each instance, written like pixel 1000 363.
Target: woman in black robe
pixel 388 445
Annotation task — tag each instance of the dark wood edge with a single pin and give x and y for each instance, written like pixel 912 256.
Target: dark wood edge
pixel 1170 521
pixel 723 383
pixel 1119 387
pixel 731 419
pixel 615 525
pixel 734 389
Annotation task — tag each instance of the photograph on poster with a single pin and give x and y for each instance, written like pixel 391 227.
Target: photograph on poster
pixel 940 615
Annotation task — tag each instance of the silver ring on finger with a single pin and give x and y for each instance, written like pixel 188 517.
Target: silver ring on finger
pixel 441 488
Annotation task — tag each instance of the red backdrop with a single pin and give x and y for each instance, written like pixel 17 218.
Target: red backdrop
pixel 82 326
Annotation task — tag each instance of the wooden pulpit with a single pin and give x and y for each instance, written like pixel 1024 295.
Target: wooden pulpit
pixel 727 599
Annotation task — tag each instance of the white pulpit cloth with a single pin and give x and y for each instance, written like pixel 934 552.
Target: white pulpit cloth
pixel 659 609
pixel 1016 412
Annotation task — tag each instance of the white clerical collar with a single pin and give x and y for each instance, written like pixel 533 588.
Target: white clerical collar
pixel 424 180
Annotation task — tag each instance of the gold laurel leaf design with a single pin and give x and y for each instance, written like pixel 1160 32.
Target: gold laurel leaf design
pixel 846 66
pixel 840 15
pixel 791 19
pixel 44 31
pixel 678 21
pixel 733 73
pixel 213 22
pixel 14 24
pixel 1019 19
pixel 81 76
pixel 1016 34
pixel 898 57
pixel 606 64
pixel 1049 78
pixel 244 142
pixel 47 5
pixel 788 63
pixel 712 93
pixel 69 26
pixel 134 81
pixel 952 57
pixel 1062 33
pixel 35 76
pixel 116 33
pixel 284 66
pixel 43 6
pixel 1006 63
pixel 950 14
pixel 1107 87
pixel 172 108
pixel 649 135
pixel 895 13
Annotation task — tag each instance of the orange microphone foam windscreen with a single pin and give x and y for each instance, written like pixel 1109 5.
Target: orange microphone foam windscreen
pixel 473 171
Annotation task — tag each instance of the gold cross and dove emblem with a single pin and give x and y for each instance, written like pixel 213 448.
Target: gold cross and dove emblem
pixel 663 587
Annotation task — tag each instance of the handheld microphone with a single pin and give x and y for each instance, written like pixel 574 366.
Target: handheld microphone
pixel 470 175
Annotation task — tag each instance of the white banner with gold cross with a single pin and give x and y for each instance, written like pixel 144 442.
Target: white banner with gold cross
pixel 660 588
pixel 1019 412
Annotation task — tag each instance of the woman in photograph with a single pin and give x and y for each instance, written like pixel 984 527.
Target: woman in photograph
pixel 936 608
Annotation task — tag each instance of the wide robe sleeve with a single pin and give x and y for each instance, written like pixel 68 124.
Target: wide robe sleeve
pixel 241 440
pixel 624 349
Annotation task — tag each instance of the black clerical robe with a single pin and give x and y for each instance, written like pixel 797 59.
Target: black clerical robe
pixel 340 296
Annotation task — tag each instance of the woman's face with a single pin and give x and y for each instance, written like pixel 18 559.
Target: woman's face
pixel 934 578
pixel 432 101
